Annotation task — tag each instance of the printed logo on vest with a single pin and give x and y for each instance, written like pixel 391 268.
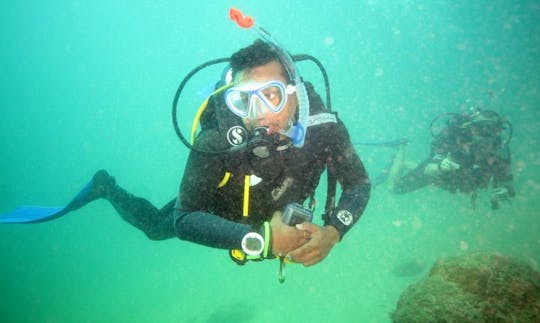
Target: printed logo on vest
pixel 236 135
pixel 345 217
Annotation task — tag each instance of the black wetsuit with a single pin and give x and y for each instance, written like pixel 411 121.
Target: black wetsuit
pixel 288 175
pixel 210 215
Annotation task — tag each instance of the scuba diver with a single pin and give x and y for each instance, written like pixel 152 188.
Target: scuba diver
pixel 470 151
pixel 265 139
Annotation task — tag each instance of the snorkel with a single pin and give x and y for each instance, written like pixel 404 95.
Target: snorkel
pixel 296 132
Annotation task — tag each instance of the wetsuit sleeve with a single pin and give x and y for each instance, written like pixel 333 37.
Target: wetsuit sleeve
pixel 353 179
pixel 414 179
pixel 417 178
pixel 193 217
pixel 208 229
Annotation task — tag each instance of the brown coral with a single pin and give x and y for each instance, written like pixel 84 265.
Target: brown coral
pixel 473 288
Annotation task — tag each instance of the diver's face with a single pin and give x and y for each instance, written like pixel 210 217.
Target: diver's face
pixel 275 122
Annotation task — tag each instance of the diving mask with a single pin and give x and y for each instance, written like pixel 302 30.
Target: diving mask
pixel 487 128
pixel 253 100
pixel 297 132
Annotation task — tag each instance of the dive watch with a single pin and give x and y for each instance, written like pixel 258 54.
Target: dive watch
pixel 253 244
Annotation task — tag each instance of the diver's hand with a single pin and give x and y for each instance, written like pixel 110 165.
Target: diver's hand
pixel 286 238
pixel 444 166
pixel 319 246
pixel 448 165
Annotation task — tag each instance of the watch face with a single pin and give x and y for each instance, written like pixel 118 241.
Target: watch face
pixel 253 244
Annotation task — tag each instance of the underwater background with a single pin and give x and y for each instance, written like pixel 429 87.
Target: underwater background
pixel 87 85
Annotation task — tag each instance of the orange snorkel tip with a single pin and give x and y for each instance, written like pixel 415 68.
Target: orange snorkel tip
pixel 243 21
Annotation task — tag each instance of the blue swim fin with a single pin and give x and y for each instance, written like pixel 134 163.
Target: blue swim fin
pixel 30 214
pixel 95 189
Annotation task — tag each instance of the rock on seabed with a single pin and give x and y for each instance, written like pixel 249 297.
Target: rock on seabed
pixel 477 287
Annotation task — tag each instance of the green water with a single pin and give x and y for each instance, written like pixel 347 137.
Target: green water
pixel 89 84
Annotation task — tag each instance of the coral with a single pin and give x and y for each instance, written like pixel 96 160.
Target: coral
pixel 473 288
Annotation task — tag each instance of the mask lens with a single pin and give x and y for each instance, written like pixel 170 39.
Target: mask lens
pixel 487 128
pixel 268 96
pixel 274 97
pixel 238 102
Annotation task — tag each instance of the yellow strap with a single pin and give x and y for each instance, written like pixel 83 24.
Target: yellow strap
pixel 195 123
pixel 245 210
pixel 224 180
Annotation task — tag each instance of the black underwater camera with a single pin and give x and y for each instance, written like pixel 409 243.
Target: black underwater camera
pixel 294 213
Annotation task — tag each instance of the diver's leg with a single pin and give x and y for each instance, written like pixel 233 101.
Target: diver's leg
pixel 156 224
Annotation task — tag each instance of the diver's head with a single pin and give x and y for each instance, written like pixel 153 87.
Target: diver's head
pixel 486 132
pixel 487 124
pixel 262 94
pixel 257 54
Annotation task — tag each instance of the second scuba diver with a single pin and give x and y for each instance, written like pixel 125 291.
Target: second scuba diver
pixel 470 152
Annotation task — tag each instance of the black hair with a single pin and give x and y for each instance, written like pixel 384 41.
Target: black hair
pixel 257 54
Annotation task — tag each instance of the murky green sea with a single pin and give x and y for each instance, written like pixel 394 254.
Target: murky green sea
pixel 87 85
